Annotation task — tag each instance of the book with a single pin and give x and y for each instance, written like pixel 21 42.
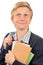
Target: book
pixel 7 64
pixel 22 52
pixel 30 58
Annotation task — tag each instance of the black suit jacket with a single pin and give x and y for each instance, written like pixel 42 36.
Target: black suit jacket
pixel 36 43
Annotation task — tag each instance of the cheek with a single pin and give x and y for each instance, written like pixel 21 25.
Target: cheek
pixel 28 20
pixel 13 20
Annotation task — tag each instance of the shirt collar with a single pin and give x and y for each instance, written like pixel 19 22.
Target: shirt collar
pixel 25 39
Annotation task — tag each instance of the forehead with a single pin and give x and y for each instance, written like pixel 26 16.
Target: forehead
pixel 22 9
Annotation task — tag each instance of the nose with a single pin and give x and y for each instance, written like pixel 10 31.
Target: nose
pixel 22 17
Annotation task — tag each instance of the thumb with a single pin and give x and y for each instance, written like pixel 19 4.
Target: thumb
pixel 9 51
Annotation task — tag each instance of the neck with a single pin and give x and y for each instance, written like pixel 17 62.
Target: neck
pixel 21 33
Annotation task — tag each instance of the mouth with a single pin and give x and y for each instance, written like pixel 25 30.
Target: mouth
pixel 22 22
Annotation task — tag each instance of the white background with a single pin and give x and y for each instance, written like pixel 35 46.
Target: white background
pixel 5 13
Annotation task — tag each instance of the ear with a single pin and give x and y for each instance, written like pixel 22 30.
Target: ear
pixel 12 19
pixel 30 21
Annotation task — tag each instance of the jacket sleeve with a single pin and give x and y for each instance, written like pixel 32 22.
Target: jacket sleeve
pixel 2 55
pixel 37 49
pixel 3 52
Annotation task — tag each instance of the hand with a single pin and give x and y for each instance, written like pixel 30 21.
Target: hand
pixel 9 57
pixel 7 40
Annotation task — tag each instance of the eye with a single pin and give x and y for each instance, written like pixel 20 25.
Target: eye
pixel 25 14
pixel 18 14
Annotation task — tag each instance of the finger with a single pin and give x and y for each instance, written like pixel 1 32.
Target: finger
pixel 8 41
pixel 6 56
pixel 9 37
pixel 9 51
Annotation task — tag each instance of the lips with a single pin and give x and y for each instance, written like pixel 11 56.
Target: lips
pixel 22 22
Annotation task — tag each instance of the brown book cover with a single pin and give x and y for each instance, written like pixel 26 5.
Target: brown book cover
pixel 21 51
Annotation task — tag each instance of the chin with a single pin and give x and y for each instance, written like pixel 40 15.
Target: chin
pixel 22 28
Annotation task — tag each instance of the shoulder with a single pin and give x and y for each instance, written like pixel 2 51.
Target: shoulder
pixel 36 37
pixel 36 41
pixel 11 33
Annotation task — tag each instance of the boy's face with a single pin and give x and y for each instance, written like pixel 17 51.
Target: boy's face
pixel 21 18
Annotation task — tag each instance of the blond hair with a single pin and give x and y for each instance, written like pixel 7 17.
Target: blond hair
pixel 21 4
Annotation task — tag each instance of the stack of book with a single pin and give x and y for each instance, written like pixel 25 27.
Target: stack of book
pixel 22 52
